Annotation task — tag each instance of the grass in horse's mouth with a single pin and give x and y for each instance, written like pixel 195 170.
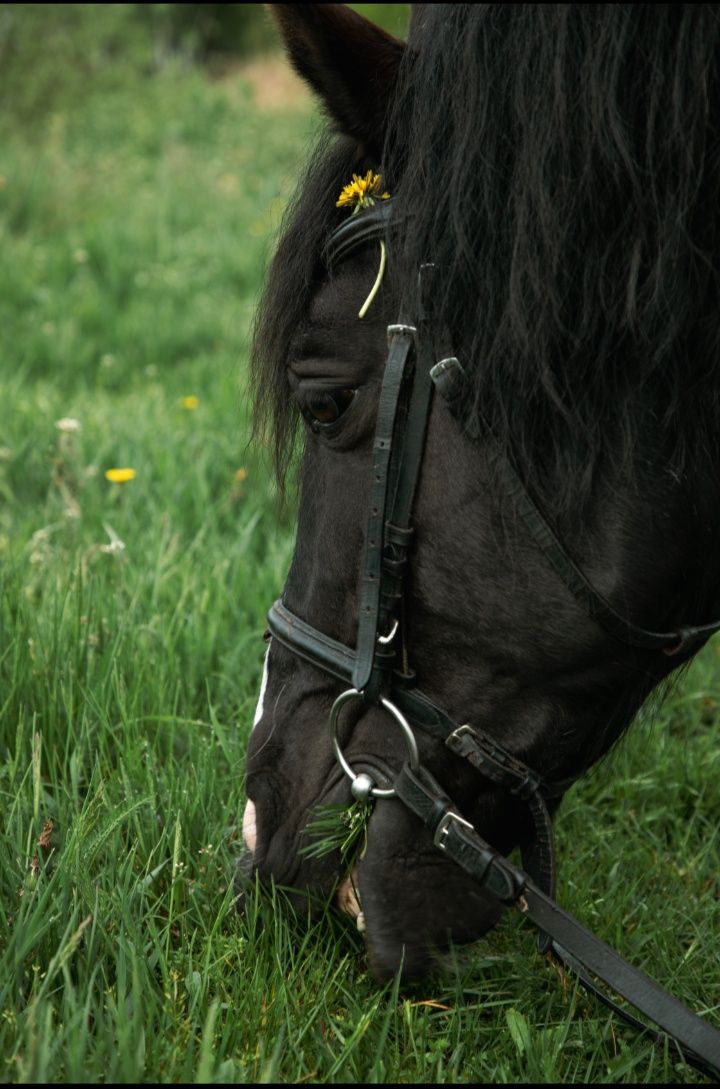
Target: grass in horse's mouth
pixel 341 828
pixel 337 828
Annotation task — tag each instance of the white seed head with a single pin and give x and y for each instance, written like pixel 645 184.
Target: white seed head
pixel 68 425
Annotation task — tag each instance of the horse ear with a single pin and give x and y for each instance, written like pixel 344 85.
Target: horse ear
pixel 349 61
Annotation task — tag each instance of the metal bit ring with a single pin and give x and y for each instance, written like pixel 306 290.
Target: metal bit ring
pixel 413 754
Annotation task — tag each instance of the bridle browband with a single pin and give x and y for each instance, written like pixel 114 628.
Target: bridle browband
pixel 412 373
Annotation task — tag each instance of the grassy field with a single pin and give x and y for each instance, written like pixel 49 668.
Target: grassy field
pixel 134 228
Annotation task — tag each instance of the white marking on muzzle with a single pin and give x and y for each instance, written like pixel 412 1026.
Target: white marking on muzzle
pixel 263 686
pixel 249 816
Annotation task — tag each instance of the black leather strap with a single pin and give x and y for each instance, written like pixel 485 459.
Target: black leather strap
pixel 501 767
pixel 309 643
pixel 661 1039
pixel 457 839
pixel 404 474
pixel 422 712
pixel 367 226
pixel 401 343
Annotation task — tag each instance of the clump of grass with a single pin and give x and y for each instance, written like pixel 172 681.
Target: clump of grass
pixel 338 828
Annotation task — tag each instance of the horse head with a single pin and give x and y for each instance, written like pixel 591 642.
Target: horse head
pixel 550 171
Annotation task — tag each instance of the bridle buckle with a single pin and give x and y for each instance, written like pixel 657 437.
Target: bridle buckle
pixel 400 330
pixel 444 826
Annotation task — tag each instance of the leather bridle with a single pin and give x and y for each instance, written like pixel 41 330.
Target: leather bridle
pixel 379 675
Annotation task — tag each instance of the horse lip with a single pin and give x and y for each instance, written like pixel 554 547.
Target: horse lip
pixel 347 896
pixel 322 799
pixel 373 765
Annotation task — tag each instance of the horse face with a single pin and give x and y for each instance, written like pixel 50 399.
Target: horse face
pixel 483 642
pixel 494 636
pixel 336 367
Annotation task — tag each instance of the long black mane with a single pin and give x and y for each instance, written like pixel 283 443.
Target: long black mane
pixel 560 164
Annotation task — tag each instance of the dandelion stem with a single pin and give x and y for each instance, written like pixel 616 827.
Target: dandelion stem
pixel 376 286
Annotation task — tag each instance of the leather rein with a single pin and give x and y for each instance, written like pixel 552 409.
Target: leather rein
pixel 412 374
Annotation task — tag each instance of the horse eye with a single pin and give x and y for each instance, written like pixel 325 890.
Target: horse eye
pixel 324 407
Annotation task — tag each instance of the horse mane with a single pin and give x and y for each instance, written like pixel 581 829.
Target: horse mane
pixel 559 163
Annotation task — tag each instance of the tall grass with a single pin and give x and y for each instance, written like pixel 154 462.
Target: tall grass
pixel 134 228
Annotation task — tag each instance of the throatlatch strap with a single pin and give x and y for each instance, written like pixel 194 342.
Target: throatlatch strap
pixel 680 643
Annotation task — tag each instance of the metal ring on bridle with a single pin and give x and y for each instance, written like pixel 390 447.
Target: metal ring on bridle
pixel 413 754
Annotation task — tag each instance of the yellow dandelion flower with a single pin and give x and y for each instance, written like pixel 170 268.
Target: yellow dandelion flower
pixel 120 476
pixel 362 192
pixel 240 475
pixel 190 402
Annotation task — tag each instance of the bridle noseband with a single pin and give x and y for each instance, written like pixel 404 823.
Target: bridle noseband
pixel 412 374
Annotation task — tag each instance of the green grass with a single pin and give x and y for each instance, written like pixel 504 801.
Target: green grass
pixel 133 229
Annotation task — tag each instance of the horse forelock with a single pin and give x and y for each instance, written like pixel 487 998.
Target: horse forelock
pixel 295 270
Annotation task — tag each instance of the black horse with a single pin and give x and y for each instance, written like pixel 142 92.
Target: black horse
pixel 558 166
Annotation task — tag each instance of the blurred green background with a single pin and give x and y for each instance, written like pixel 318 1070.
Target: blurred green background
pixel 53 55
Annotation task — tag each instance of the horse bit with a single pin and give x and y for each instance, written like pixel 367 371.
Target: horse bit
pixel 411 375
